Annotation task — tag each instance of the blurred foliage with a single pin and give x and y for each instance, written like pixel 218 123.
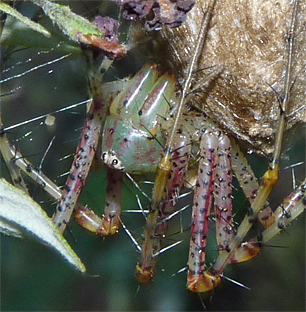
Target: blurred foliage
pixel 34 278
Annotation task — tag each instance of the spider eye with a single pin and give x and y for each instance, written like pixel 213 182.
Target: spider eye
pixel 115 162
pixel 104 156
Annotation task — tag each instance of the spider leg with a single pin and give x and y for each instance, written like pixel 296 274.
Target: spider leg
pixel 86 149
pixel 112 212
pixel 156 231
pixel 249 183
pixel 8 157
pixel 273 222
pixel 292 207
pixel 109 224
pixel 266 216
pixel 37 176
pixel 202 202
pixel 223 194
pixel 81 165
pixel 17 163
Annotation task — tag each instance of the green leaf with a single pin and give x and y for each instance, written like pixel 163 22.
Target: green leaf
pixel 20 216
pixel 9 10
pixel 70 23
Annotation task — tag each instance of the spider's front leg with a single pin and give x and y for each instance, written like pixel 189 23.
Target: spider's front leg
pixel 109 224
pixel 214 181
pixel 81 165
pixel 156 231
pixel 88 142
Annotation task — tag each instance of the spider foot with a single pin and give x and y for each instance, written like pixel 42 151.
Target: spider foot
pixel 107 226
pixel 246 251
pixel 144 275
pixel 202 282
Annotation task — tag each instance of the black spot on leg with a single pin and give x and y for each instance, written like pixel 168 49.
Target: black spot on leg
pixel 67 188
pixel 18 180
pixel 67 205
pixel 29 168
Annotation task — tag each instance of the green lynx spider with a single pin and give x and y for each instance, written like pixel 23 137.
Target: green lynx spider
pixel 196 127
